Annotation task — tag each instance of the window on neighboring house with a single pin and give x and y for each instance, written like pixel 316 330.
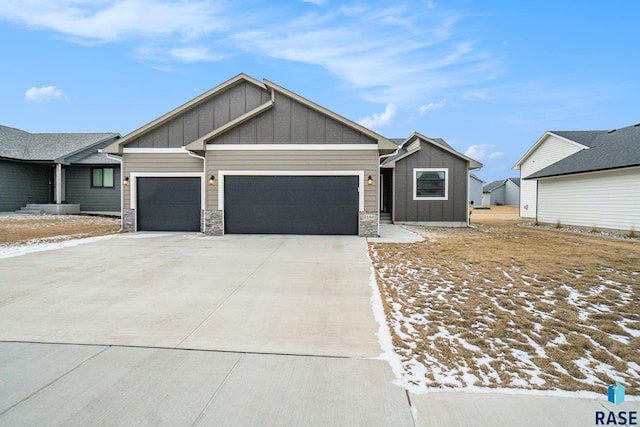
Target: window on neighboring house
pixel 430 184
pixel 102 177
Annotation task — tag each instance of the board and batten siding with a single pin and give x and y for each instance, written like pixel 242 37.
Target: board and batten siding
pixel 608 199
pixel 549 152
pixel 453 210
pixel 294 160
pixel 79 190
pixel 23 183
pixel 157 163
pixel 290 122
pixel 203 118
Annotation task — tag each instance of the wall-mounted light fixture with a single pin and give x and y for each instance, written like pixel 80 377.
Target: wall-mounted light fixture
pixel 212 180
pixel 126 180
pixel 369 180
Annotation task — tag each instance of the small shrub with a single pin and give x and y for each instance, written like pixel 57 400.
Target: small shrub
pixel 558 224
pixel 632 232
pixel 594 229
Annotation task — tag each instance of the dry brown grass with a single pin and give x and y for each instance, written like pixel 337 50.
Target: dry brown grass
pixel 500 305
pixel 20 229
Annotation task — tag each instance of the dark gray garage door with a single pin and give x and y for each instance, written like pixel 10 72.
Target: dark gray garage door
pixel 168 204
pixel 291 204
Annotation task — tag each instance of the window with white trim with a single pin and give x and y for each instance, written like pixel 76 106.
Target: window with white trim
pixel 102 177
pixel 430 184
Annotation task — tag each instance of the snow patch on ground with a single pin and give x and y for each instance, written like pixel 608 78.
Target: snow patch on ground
pixel 44 244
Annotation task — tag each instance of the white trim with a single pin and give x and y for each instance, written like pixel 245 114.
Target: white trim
pixel 223 173
pixel 539 142
pixel 317 147
pixel 154 150
pixel 446 183
pixel 133 192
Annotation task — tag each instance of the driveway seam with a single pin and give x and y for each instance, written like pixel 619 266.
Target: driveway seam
pixel 229 296
pixel 50 383
pixel 215 393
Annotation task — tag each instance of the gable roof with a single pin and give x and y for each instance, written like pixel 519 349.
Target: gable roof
pixel 17 144
pixel 411 145
pixel 494 185
pixel 615 149
pixel 581 139
pixel 384 145
pixel 474 176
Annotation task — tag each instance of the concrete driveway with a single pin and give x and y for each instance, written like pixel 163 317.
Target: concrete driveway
pixel 173 329
pixel 305 295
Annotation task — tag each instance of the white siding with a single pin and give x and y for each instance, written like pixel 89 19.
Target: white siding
pixel 550 151
pixel 601 199
pixel 475 191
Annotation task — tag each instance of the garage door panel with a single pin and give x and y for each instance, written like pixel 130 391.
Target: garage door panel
pixel 291 204
pixel 168 203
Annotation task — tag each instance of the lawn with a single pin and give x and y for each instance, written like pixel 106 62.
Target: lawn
pixel 34 229
pixel 500 305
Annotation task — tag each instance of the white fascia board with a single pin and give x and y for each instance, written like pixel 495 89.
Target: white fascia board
pixel 539 142
pixel 223 173
pixel 154 150
pixel 133 176
pixel 294 147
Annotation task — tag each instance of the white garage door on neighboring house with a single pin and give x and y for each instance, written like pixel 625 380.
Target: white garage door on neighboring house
pixel 291 204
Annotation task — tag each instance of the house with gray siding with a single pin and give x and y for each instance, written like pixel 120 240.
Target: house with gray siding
pixel 250 156
pixel 587 178
pixel 59 172
pixel 503 192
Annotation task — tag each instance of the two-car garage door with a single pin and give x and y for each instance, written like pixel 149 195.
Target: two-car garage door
pixel 254 204
pixel 291 204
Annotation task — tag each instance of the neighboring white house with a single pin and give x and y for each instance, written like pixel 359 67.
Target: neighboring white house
pixel 589 178
pixel 475 190
pixel 502 192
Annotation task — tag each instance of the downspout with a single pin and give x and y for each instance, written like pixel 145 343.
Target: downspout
pixel 204 189
pixel 119 160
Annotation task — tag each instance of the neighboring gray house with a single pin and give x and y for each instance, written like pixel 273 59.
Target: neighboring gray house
pixel 250 156
pixel 475 190
pixel 502 192
pixel 64 171
pixel 584 178
pixel 430 182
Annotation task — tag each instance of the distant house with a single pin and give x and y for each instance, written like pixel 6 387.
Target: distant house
pixel 61 172
pixel 585 178
pixel 475 190
pixel 502 192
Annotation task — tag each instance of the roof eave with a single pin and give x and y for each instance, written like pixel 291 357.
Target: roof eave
pixel 116 148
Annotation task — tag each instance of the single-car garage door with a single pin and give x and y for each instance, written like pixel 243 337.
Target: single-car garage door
pixel 291 204
pixel 168 203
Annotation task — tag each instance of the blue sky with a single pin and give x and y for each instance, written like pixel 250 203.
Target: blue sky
pixel 490 77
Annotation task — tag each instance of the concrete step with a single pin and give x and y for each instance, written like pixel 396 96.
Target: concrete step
pixel 385 218
pixel 30 211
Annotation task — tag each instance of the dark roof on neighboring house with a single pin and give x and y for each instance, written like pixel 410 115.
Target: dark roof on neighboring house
pixel 499 183
pixel 615 149
pixel 53 147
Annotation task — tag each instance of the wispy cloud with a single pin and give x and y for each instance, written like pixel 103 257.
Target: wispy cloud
pixel 379 120
pixel 433 106
pixel 390 54
pixel 483 152
pixel 102 21
pixel 45 93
